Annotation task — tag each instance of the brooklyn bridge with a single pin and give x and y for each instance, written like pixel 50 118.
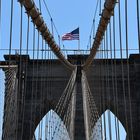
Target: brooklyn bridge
pixel 51 92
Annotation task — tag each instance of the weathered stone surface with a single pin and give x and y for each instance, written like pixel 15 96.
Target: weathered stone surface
pixel 103 87
pixel 46 82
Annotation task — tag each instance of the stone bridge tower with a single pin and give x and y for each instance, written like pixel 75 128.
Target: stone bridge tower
pixel 21 116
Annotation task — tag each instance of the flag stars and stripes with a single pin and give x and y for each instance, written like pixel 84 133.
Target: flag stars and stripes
pixel 74 35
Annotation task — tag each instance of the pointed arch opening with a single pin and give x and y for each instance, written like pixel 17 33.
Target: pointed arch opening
pixel 51 127
pixel 108 127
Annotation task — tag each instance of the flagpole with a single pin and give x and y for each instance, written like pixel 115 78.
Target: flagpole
pixel 74 35
pixel 79 42
pixel 79 45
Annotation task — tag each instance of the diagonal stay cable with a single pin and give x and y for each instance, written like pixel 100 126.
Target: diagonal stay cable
pixel 64 103
pixel 91 114
pixel 38 20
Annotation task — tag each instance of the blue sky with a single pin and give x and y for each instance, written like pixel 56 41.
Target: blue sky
pixel 67 15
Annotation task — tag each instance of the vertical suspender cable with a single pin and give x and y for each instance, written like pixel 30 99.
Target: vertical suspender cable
pixel 116 85
pixel 0 14
pixel 19 97
pixel 52 26
pixel 128 71
pixel 104 117
pixel 34 78
pixel 36 84
pixel 46 126
pixel 9 71
pixel 59 40
pixel 90 41
pixel 101 77
pixel 106 15
pixel 21 22
pixel 32 92
pixel 25 80
pixel 11 29
pixel 113 79
pixel 93 29
pixel 48 89
pixel 106 76
pixel 28 30
pixel 41 26
pixel 122 65
pixel 40 7
pixel 138 23
pixel 51 74
pixel 102 88
pixel 50 86
pixel 101 97
pixel 46 86
pixel 100 10
pixel 42 87
pixel 92 32
pixel 108 83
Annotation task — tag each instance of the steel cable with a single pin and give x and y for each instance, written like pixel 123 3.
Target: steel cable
pixel 138 23
pixel 128 71
pixel 122 65
pixel 105 18
pixel 41 26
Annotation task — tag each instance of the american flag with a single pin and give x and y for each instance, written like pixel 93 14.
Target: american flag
pixel 74 35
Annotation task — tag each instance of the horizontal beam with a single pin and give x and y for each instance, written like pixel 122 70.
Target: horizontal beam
pixel 38 20
pixel 105 18
pixel 8 66
pixel 17 50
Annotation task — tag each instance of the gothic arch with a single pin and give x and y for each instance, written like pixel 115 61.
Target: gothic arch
pixel 55 126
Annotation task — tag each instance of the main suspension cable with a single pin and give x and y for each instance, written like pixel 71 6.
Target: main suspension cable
pixel 105 18
pixel 41 26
